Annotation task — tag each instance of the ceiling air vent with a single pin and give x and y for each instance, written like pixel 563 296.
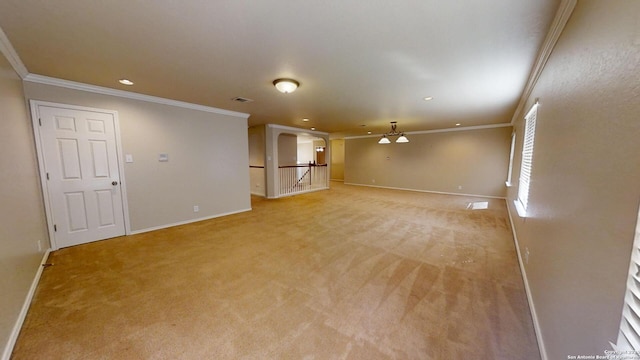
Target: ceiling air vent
pixel 241 99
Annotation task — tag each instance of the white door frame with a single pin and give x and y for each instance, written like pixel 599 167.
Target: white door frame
pixel 35 118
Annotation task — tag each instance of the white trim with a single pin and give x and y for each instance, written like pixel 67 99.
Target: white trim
pixel 35 116
pixel 12 56
pixel 628 339
pixel 123 182
pixel 13 337
pixel 427 191
pixel 522 212
pixel 512 152
pixel 557 26
pixel 526 161
pixel 298 130
pixel 466 128
pixel 41 167
pixel 533 108
pixel 46 80
pixel 154 228
pixel 532 308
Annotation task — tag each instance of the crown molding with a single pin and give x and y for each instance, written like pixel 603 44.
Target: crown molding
pixel 297 130
pixel 12 56
pixel 557 26
pixel 466 128
pixel 46 80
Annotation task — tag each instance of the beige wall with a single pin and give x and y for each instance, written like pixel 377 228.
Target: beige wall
pixel 257 147
pixel 22 221
pixel 287 149
pixel 585 185
pixel 208 157
pixel 475 160
pixel 306 153
pixel 337 159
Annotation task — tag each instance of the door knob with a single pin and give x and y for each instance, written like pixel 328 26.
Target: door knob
pixel 114 183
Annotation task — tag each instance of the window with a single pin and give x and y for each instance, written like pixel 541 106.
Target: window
pixel 629 335
pixel 513 150
pixel 527 160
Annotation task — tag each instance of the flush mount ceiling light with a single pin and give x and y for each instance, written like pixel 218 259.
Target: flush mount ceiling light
pixel 125 82
pixel 385 137
pixel 286 85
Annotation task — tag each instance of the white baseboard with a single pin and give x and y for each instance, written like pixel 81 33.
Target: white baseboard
pixel 427 191
pixel 8 349
pixel 523 271
pixel 187 222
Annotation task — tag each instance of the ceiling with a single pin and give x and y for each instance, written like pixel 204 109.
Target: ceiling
pixel 361 64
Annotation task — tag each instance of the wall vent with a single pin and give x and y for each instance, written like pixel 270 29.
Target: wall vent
pixel 241 99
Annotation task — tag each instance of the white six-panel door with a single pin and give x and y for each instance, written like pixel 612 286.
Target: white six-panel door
pixel 79 152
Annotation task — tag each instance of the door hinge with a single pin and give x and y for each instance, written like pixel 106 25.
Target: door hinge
pixel 47 176
pixel 40 121
pixel 55 228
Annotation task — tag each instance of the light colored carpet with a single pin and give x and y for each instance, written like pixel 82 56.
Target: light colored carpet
pixel 348 273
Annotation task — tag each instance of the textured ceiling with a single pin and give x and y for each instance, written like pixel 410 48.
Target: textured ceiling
pixel 358 62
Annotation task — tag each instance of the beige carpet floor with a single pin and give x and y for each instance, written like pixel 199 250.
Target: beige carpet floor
pixel 348 273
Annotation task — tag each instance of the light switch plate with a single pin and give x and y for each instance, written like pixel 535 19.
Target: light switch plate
pixel 128 158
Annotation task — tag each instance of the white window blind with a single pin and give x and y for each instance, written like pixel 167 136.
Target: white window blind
pixel 527 160
pixel 513 150
pixel 629 334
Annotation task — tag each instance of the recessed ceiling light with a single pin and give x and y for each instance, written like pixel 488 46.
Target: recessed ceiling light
pixel 458 124
pixel 125 82
pixel 428 98
pixel 305 119
pixel 369 132
pixel 313 128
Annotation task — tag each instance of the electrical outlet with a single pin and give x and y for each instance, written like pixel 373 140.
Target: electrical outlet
pixel 373 181
pixel 196 208
pixel 459 187
pixel 526 255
